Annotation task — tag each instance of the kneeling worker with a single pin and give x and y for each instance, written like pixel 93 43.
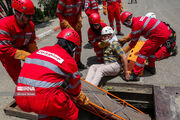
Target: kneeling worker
pixel 113 54
pixel 49 78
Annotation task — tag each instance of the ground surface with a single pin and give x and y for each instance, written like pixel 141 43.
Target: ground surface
pixel 168 70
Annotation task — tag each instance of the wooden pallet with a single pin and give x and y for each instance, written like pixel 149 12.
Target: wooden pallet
pixel 100 105
pixel 13 110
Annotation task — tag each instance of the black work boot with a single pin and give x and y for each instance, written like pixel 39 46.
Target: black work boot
pixel 80 65
pixel 152 70
pixel 174 51
pixel 120 33
pixel 133 77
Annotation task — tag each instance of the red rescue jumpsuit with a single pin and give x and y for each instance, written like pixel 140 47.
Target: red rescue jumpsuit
pixel 166 49
pixel 12 37
pixel 113 9
pixel 91 6
pixel 155 31
pixel 70 10
pixel 45 71
pixel 94 39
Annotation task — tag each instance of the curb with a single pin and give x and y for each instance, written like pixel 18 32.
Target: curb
pixel 44 34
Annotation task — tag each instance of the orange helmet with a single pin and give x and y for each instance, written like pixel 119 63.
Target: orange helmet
pixel 124 16
pixel 70 35
pixel 24 6
pixel 94 18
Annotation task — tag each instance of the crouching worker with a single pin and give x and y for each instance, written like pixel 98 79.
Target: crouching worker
pixel 169 48
pixel 113 54
pixel 49 80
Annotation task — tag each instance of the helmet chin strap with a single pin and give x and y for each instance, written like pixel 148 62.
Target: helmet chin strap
pixel 19 17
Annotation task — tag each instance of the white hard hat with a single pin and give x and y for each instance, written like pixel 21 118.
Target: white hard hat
pixel 107 30
pixel 151 15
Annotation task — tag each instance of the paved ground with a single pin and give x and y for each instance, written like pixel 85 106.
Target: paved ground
pixel 167 70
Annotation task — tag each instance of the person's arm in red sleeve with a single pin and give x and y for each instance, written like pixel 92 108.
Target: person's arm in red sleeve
pixel 134 39
pixel 6 47
pixel 86 7
pixel 32 46
pixel 75 84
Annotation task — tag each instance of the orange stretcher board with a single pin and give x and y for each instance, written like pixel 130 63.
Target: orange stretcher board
pixel 133 55
pixel 102 104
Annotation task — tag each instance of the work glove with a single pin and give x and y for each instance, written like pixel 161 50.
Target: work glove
pixel 79 24
pixel 32 47
pixel 65 24
pixel 121 7
pixel 103 44
pixel 104 10
pixel 21 54
pixel 124 40
pixel 127 49
pixel 101 20
pixel 82 99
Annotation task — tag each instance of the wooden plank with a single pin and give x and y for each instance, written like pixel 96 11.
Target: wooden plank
pixel 167 103
pixel 13 110
pixel 129 88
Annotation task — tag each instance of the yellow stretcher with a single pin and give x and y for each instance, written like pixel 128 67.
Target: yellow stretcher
pixel 133 55
pixel 104 105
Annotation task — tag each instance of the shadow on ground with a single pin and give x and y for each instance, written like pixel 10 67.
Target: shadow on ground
pixel 88 46
pixel 92 60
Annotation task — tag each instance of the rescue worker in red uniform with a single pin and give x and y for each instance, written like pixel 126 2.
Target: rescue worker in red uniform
pixel 69 14
pixel 52 75
pixel 17 37
pixel 169 48
pixel 114 9
pixel 91 6
pixel 94 34
pixel 156 33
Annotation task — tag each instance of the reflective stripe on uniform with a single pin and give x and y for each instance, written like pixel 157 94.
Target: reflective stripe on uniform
pixel 37 83
pixel 77 53
pixel 4 32
pixel 140 65
pixel 111 0
pixel 90 36
pixel 157 23
pixel 47 65
pixel 94 8
pixel 94 40
pixel 58 11
pixel 134 39
pixel 99 52
pixel 5 42
pixel 144 26
pixel 142 56
pixel 42 116
pixel 61 3
pixel 152 56
pixel 72 87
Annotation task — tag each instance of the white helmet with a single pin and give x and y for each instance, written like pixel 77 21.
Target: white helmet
pixel 107 30
pixel 151 15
